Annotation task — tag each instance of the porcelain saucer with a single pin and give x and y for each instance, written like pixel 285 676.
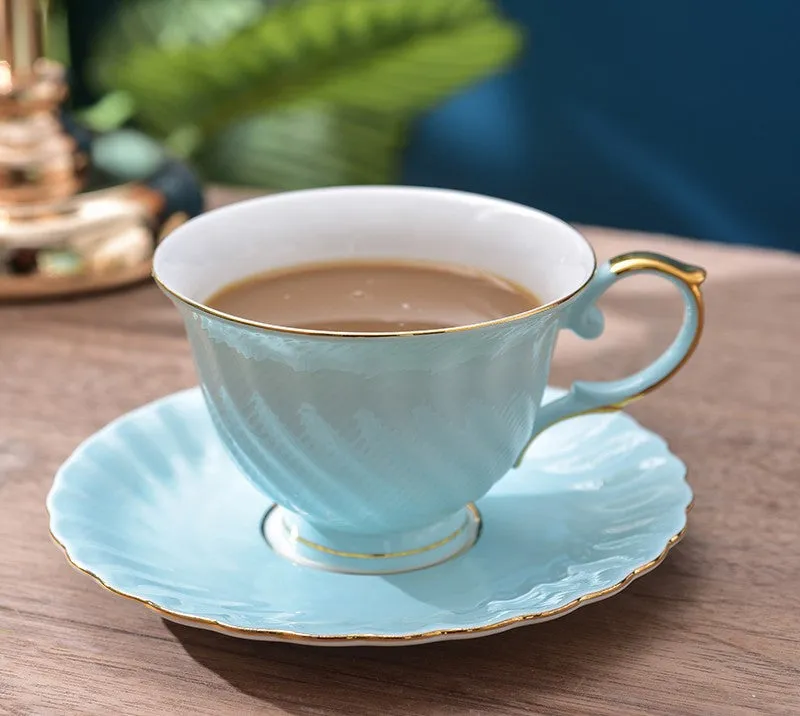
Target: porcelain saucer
pixel 152 508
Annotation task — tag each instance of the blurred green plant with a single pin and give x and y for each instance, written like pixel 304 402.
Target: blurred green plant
pixel 292 93
pixel 56 39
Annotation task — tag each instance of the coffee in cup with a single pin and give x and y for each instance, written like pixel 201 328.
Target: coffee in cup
pixel 375 439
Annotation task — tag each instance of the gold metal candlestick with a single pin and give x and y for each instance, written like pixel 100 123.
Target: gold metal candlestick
pixel 66 225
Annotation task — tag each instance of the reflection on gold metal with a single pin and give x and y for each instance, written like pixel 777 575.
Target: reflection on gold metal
pixel 293 536
pixel 93 241
pixel 39 161
pixel 28 81
pixel 285 635
pixel 60 232
pixel 692 276
pixel 21 33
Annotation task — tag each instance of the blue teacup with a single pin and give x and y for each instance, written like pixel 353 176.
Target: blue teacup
pixel 375 447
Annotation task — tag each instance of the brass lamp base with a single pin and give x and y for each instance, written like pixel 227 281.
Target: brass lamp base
pixel 100 239
pixel 78 213
pixel 42 287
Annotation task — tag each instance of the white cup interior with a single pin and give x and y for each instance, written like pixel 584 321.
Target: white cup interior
pixel 527 246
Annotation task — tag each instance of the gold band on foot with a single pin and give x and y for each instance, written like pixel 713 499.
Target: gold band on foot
pixel 286 540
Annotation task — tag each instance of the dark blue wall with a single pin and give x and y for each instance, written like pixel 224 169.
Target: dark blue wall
pixel 681 117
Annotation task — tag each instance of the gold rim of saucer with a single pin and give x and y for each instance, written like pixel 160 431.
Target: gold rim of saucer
pixel 340 639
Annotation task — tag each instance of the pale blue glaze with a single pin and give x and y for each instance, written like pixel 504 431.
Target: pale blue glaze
pixel 373 436
pixel 379 440
pixel 585 319
pixel 154 507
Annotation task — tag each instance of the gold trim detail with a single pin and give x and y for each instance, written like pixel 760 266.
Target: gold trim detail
pixel 289 636
pixel 476 517
pixel 202 308
pixel 692 276
pixel 199 306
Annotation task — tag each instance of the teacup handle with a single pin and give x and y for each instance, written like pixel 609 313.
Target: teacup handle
pixel 585 319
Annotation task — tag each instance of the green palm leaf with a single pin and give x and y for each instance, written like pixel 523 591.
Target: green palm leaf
pixel 56 36
pixel 395 57
pixel 171 24
pixel 298 147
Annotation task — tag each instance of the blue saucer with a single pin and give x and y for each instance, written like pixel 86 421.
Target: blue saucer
pixel 153 509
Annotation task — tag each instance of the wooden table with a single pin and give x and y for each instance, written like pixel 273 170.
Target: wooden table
pixel 714 630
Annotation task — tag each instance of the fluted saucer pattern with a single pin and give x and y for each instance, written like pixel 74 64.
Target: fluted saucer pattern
pixel 153 509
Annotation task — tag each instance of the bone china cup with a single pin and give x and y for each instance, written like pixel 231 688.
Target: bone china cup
pixel 375 447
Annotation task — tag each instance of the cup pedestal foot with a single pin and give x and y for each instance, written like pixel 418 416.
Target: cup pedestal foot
pixel 313 546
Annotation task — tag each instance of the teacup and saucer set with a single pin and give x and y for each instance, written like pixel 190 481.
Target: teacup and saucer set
pixel 327 488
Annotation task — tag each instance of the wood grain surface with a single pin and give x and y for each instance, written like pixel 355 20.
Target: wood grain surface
pixel 714 630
